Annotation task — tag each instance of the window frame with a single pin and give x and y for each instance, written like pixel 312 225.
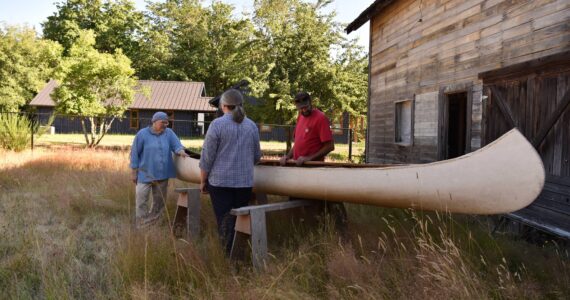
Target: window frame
pixel 412 122
pixel 131 119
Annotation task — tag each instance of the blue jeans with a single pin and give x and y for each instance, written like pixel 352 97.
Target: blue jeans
pixel 224 199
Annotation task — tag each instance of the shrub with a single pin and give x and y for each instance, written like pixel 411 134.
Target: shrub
pixel 14 131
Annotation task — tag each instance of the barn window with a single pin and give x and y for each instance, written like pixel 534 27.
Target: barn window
pixel 403 122
pixel 134 120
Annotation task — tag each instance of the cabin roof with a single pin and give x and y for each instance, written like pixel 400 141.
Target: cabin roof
pixel 166 95
pixel 367 14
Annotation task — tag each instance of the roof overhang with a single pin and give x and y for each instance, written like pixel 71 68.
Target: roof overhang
pixel 367 14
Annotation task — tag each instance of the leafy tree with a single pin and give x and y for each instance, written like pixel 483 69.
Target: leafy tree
pixel 96 86
pixel 304 51
pixel 205 44
pixel 117 24
pixel 26 64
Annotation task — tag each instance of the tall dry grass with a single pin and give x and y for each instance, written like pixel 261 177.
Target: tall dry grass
pixel 66 232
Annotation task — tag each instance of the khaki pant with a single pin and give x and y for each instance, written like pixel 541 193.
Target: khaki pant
pixel 142 195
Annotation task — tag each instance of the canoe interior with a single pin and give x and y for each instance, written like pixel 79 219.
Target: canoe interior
pixel 309 164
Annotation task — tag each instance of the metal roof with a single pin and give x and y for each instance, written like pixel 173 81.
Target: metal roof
pixel 165 95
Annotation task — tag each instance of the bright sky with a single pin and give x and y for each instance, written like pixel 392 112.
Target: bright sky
pixel 34 12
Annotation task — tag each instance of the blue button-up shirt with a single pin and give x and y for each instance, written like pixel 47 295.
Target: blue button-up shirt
pixel 151 154
pixel 230 151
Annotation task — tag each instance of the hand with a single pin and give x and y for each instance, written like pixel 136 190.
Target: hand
pixel 183 153
pixel 301 160
pixel 203 188
pixel 134 176
pixel 283 160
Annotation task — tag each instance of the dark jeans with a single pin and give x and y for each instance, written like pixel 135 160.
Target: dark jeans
pixel 223 200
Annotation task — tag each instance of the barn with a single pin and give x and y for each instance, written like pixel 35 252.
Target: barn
pixel 447 77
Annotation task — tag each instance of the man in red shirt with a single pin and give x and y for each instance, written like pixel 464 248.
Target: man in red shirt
pixel 313 135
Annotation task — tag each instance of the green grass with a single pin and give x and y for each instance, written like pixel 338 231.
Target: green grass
pixel 269 148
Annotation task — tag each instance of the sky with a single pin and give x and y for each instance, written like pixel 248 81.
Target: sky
pixel 34 12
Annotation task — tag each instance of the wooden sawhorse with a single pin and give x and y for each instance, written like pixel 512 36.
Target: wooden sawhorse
pixel 187 214
pixel 251 221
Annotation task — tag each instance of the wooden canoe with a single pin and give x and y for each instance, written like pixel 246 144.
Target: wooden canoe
pixel 502 177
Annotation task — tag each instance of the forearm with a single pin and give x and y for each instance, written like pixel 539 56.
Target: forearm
pixel 203 176
pixel 325 149
pixel 289 154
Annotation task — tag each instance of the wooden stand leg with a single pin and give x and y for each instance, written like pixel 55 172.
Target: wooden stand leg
pixel 180 216
pixel 258 239
pixel 187 214
pixel 193 213
pixel 241 235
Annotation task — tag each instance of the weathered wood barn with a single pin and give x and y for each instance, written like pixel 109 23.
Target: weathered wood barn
pixel 450 76
pixel 184 102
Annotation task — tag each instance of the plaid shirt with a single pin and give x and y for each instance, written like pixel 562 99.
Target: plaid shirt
pixel 230 151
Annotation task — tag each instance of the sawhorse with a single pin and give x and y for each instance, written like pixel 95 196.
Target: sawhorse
pixel 187 214
pixel 251 221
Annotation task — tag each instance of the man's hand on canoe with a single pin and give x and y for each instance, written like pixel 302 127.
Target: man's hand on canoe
pixel 301 160
pixel 283 160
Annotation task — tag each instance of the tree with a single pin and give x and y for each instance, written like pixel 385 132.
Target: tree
pixel 304 51
pixel 26 64
pixel 96 86
pixel 117 24
pixel 204 44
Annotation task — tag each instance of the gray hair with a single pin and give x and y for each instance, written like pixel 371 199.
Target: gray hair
pixel 234 100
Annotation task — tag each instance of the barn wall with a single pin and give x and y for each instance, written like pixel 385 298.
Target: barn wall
pixel 445 51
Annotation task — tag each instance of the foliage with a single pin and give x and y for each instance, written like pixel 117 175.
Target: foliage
pixel 187 41
pixel 14 131
pixel 283 47
pixel 305 51
pixel 116 24
pixel 26 64
pixel 96 86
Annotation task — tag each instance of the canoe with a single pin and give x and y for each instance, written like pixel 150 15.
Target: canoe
pixel 502 177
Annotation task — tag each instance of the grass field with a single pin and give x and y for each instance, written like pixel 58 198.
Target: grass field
pixel 66 232
pixel 269 147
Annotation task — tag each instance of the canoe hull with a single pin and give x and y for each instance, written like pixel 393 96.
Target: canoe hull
pixel 502 177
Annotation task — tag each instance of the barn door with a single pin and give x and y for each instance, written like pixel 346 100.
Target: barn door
pixel 535 98
pixel 539 107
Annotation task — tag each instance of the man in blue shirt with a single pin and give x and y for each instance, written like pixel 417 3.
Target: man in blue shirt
pixel 152 166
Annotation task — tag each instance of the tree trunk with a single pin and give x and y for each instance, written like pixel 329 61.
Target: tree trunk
pixel 93 132
pixel 104 130
pixel 85 132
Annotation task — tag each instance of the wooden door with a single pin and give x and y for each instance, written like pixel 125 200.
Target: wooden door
pixel 535 98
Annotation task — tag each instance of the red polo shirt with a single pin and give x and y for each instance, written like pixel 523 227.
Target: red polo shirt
pixel 311 133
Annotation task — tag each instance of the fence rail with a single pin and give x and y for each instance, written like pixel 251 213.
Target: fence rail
pixel 276 138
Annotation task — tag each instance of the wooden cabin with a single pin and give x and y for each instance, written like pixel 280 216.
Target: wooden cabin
pixel 447 77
